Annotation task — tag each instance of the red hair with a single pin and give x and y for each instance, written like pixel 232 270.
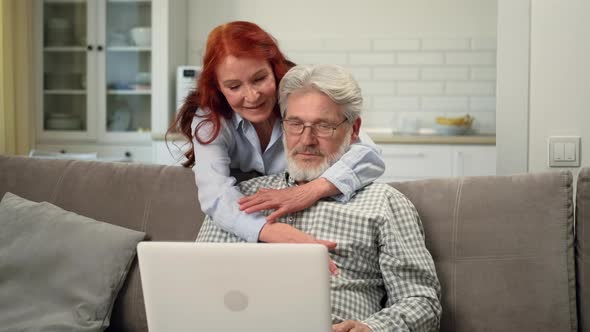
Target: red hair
pixel 240 39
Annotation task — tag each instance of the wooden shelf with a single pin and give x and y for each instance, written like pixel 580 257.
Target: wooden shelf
pixel 129 92
pixel 65 1
pixel 64 49
pixel 433 139
pixel 64 92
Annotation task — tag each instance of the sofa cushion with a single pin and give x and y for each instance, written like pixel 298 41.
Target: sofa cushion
pixel 59 270
pixel 161 201
pixel 503 249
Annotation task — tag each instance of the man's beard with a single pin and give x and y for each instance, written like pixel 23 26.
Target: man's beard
pixel 299 173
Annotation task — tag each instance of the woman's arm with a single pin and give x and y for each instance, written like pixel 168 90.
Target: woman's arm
pixel 218 194
pixel 219 197
pixel 360 165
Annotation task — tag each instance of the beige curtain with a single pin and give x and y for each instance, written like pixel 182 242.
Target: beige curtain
pixel 16 89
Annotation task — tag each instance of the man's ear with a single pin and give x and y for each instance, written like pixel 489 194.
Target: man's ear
pixel 356 127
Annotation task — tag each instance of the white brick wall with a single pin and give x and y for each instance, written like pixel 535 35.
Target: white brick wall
pixel 396 44
pixel 421 78
pixel 396 74
pixel 420 58
pixel 445 103
pixel 388 103
pixel 470 88
pixel 416 78
pixel 442 74
pixel 338 58
pixel 420 88
pixel 347 45
pixel 371 88
pixel 471 58
pixel 372 59
pixel 445 44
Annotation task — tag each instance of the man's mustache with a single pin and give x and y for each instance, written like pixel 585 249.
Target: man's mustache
pixel 313 151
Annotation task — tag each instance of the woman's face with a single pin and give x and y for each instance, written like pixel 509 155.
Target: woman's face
pixel 249 86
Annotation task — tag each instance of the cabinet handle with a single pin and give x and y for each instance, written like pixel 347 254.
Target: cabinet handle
pixel 89 47
pixel 128 154
pixel 62 151
pixel 99 47
pixel 405 155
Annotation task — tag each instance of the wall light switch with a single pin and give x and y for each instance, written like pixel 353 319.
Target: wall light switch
pixel 569 151
pixel 564 151
pixel 558 151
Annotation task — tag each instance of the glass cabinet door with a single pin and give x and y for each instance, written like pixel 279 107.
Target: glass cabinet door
pixel 64 66
pixel 128 38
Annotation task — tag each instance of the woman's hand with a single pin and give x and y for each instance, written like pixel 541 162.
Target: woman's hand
pixel 350 326
pixel 288 200
pixel 283 233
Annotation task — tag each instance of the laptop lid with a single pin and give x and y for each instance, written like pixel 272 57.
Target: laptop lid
pixel 235 287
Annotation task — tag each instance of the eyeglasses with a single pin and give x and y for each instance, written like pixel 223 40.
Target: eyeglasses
pixel 296 127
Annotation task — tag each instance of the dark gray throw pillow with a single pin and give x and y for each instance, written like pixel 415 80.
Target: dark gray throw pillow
pixel 59 271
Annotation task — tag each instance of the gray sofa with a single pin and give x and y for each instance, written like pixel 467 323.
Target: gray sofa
pixel 503 246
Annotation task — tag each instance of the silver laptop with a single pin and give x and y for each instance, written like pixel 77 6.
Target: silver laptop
pixel 235 287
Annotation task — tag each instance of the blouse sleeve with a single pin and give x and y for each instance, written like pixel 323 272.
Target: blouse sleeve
pixel 217 190
pixel 361 165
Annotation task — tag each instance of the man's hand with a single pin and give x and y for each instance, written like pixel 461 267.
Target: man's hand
pixel 287 200
pixel 351 326
pixel 283 233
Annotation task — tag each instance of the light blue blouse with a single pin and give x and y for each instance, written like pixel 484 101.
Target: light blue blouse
pixel 237 146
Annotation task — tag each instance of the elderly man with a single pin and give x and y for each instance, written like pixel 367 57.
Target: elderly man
pixel 386 279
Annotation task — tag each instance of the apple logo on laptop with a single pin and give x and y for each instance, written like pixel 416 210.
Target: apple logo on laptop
pixel 235 300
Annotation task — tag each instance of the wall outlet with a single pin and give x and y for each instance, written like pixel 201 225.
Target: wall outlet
pixel 564 151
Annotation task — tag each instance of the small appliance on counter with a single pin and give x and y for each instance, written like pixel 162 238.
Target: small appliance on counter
pixel 186 81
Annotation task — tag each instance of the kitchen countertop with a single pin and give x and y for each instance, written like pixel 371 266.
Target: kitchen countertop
pixel 383 138
pixel 433 139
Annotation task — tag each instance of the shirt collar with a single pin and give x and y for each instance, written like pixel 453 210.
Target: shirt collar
pixel 289 180
pixel 237 120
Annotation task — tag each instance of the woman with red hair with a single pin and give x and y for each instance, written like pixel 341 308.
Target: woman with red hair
pixel 232 121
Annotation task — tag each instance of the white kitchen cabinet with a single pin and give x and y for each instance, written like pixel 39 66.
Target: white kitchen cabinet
pixel 105 152
pixel 106 72
pixel 404 162
pixel 410 162
pixel 473 160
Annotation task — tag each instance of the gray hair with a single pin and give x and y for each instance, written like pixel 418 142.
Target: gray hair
pixel 331 80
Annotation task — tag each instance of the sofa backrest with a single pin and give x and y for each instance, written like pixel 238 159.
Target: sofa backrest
pixel 583 247
pixel 158 200
pixel 502 246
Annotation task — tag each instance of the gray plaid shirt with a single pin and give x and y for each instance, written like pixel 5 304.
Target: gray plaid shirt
pixel 381 255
